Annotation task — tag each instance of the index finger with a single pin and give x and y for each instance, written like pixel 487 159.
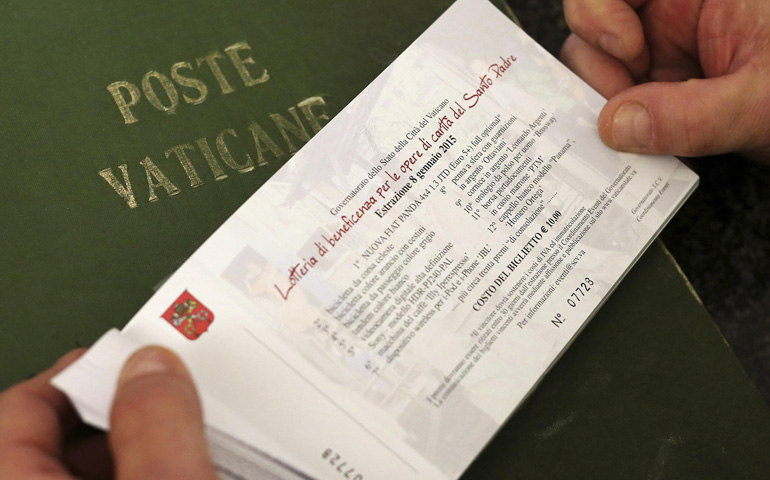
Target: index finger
pixel 610 25
pixel 34 415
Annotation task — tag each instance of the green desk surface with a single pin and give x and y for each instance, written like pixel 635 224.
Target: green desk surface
pixel 649 391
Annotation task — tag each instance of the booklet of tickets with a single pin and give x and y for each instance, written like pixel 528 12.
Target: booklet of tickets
pixel 382 305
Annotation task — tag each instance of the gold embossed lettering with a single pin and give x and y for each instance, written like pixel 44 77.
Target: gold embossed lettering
pixel 123 189
pixel 211 159
pixel 286 127
pixel 261 137
pixel 181 154
pixel 211 61
pixel 168 87
pixel 123 104
pixel 227 157
pixel 241 62
pixel 156 178
pixel 314 120
pixel 189 82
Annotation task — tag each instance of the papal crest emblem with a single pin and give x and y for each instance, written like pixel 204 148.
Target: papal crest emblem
pixel 189 316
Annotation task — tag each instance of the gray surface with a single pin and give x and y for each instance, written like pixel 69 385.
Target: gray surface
pixel 721 238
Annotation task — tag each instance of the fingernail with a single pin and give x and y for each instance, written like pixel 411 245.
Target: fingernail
pixel 632 126
pixel 611 44
pixel 148 361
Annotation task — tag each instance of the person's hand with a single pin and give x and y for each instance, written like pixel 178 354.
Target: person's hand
pixel 157 428
pixel 702 69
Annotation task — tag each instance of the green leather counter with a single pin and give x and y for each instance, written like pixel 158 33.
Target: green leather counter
pixel 648 391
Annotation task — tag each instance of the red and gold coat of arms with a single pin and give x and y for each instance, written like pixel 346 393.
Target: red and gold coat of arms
pixel 189 316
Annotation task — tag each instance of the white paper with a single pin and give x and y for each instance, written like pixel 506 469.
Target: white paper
pixel 399 348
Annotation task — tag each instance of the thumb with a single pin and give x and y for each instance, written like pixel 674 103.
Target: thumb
pixel 156 423
pixel 692 118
